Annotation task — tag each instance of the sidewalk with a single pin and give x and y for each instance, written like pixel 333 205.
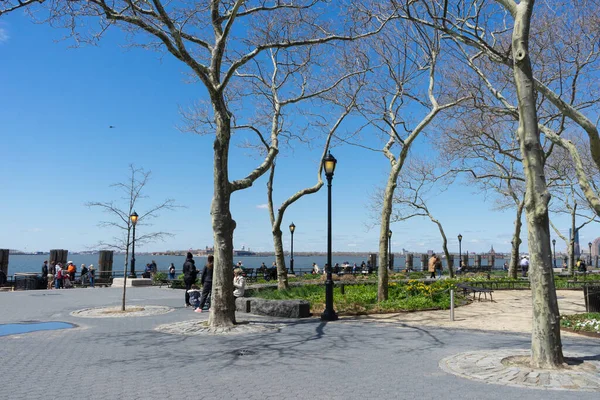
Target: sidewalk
pixel 511 311
pixel 126 358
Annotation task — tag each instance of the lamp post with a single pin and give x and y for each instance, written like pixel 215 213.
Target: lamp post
pixel 390 249
pixel 590 247
pixel 134 218
pixel 554 250
pixel 459 251
pixel 329 314
pixel 292 229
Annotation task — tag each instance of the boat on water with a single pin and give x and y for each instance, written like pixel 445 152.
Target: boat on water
pixel 243 252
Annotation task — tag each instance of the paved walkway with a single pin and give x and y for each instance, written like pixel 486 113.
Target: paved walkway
pixel 127 358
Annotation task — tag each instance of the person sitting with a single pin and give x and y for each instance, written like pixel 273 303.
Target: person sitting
pixel 336 268
pixel 581 267
pixel 315 269
pixel 194 294
pixel 239 283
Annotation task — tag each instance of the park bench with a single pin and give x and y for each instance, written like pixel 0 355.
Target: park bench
pixel 467 289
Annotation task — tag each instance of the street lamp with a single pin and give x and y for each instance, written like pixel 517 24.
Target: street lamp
pixel 134 218
pixel 292 229
pixel 554 249
pixel 459 251
pixel 390 249
pixel 329 314
pixel 590 246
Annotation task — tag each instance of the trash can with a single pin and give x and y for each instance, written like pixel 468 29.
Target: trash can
pixel 591 294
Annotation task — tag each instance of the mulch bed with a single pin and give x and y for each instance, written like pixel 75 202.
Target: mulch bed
pixel 583 333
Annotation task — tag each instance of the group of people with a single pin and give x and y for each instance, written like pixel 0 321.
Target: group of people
pixel 198 298
pixel 58 276
pixel 365 268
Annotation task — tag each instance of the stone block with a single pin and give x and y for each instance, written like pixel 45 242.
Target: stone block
pixel 280 308
pixel 118 282
pixel 242 304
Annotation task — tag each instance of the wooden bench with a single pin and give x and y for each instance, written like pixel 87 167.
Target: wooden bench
pixel 467 289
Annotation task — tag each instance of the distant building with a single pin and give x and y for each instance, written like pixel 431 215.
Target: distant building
pixel 577 248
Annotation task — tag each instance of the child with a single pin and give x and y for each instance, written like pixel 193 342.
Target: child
pixel 194 293
pixel 239 283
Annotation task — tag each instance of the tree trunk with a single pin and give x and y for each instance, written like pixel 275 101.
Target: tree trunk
pixel 222 310
pixel 386 211
pixel 125 270
pixel 572 242
pixel 546 346
pixel 282 279
pixel 516 243
pixel 449 259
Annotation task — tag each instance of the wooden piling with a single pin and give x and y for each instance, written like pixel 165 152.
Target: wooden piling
pixel 4 253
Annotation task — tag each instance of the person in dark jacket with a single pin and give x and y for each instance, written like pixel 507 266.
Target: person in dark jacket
pixel 190 273
pixel 206 280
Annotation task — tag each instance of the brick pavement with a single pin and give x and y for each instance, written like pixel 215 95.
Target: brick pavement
pixel 125 358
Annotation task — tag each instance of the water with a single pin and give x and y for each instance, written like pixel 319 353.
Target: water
pixel 33 263
pixel 15 329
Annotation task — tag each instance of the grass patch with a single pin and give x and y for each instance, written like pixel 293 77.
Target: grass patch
pixel 586 322
pixel 362 299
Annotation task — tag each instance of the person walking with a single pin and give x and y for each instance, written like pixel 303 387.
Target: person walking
pixel 58 280
pixel 524 264
pixel 189 276
pixel 92 275
pixel 84 274
pixel 206 280
pixel 431 266
pixel 45 274
pixel 438 266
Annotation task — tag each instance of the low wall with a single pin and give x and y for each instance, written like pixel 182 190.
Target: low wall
pixel 273 308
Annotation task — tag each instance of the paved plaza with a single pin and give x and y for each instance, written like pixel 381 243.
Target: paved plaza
pixel 127 358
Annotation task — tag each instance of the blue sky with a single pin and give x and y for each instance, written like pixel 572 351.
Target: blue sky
pixel 56 106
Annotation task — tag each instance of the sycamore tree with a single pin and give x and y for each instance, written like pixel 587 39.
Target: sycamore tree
pixel 400 104
pixel 500 31
pixel 421 181
pixel 216 39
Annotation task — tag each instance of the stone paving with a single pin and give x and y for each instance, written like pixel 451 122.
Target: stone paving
pixel 492 367
pixel 127 358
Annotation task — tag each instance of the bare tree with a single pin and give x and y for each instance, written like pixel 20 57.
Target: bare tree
pixel 567 197
pixel 120 212
pixel 420 181
pixel 408 56
pixel 216 39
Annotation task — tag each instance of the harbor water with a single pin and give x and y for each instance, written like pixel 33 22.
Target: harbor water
pixel 33 263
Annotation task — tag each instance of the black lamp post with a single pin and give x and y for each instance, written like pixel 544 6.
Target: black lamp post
pixel 460 251
pixel 590 247
pixel 292 229
pixel 554 250
pixel 329 314
pixel 134 218
pixel 390 249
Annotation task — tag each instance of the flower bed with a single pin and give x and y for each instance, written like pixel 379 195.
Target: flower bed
pixel 362 298
pixel 587 322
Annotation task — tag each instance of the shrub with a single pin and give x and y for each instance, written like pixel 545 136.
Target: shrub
pixel 159 276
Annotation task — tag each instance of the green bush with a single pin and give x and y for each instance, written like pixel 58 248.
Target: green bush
pixel 360 299
pixel 159 276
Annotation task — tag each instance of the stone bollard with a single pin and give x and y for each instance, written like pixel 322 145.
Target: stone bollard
pixel 4 253
pixel 105 264
pixel 465 259
pixel 424 260
pixel 373 260
pixel 492 260
pixel 408 263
